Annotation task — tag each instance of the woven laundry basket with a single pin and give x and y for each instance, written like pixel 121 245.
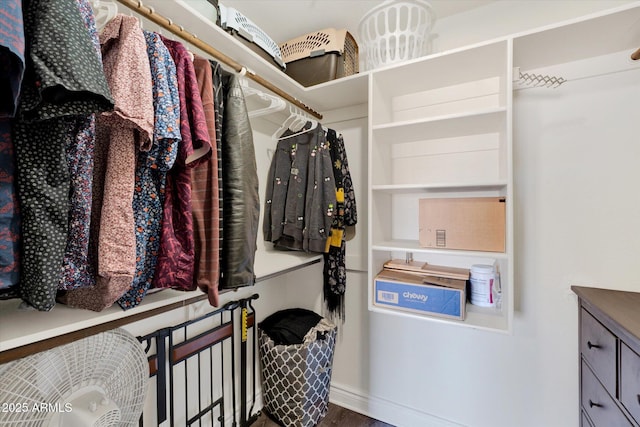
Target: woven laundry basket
pixel 296 377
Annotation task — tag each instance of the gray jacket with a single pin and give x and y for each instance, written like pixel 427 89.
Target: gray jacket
pixel 301 193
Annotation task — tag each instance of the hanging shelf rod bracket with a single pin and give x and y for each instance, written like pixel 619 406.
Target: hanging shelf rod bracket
pixel 179 31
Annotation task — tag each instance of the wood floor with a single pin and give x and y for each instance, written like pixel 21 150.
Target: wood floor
pixel 337 416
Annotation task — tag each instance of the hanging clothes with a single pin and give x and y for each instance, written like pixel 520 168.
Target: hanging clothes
pixel 152 169
pixel 120 135
pixel 56 86
pixel 80 153
pixel 205 199
pixel 218 108
pixel 335 270
pixel 12 60
pixel 12 63
pixel 301 196
pixel 176 257
pixel 9 215
pixel 240 192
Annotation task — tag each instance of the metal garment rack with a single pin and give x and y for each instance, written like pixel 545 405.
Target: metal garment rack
pixel 179 31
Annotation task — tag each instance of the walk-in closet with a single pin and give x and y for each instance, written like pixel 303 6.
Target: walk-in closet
pixel 529 105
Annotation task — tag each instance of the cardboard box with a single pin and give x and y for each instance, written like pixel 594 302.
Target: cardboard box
pixel 409 292
pixel 473 223
pixel 424 268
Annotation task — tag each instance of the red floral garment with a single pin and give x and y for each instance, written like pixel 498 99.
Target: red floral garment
pixel 176 258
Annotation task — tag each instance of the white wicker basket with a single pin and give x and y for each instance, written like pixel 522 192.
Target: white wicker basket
pixel 233 19
pixel 395 31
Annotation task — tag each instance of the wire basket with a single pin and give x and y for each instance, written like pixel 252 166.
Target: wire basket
pixel 323 42
pixel 395 31
pixel 233 19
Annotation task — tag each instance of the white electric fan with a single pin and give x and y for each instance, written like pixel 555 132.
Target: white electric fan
pixel 99 381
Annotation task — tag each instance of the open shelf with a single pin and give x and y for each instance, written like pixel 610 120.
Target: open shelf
pixel 440 187
pixel 485 318
pixel 484 120
pixel 437 86
pixel 586 37
pixel 335 94
pixel 27 327
pixel 413 246
pixel 482 318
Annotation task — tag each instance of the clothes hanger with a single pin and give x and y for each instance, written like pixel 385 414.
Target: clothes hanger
pixel 303 129
pixel 103 11
pixel 298 123
pixel 137 19
pixel 275 103
pixel 285 124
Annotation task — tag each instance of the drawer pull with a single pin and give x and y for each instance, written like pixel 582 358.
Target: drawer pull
pixel 592 404
pixel 590 345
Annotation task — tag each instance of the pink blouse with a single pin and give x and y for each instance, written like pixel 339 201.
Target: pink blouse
pixel 120 134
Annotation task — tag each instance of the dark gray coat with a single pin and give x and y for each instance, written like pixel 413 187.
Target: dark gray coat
pixel 301 193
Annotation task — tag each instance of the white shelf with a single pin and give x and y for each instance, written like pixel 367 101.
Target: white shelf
pixel 345 92
pixel 488 319
pixel 271 262
pixel 586 37
pixel 414 247
pixel 447 186
pixel 481 121
pixel 463 65
pixel 19 327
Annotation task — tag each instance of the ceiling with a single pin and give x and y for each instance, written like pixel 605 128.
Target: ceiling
pixel 284 20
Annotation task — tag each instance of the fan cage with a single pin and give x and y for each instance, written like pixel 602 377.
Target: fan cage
pixel 109 419
pixel 46 383
pixel 328 40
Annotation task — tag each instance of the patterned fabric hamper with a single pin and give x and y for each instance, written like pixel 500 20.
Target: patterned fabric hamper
pixel 296 377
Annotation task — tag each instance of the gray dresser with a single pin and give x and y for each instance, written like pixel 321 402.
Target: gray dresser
pixel 609 357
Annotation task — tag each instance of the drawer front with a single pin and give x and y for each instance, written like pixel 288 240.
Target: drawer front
pixel 597 403
pixel 598 348
pixel 630 381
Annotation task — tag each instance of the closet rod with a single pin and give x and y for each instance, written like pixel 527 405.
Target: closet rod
pixel 179 31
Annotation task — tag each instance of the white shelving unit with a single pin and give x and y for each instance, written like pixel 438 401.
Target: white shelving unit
pixel 441 127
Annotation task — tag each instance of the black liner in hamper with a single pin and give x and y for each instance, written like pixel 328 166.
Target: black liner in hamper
pixel 296 376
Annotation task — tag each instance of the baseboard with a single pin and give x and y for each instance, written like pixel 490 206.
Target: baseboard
pixel 385 410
